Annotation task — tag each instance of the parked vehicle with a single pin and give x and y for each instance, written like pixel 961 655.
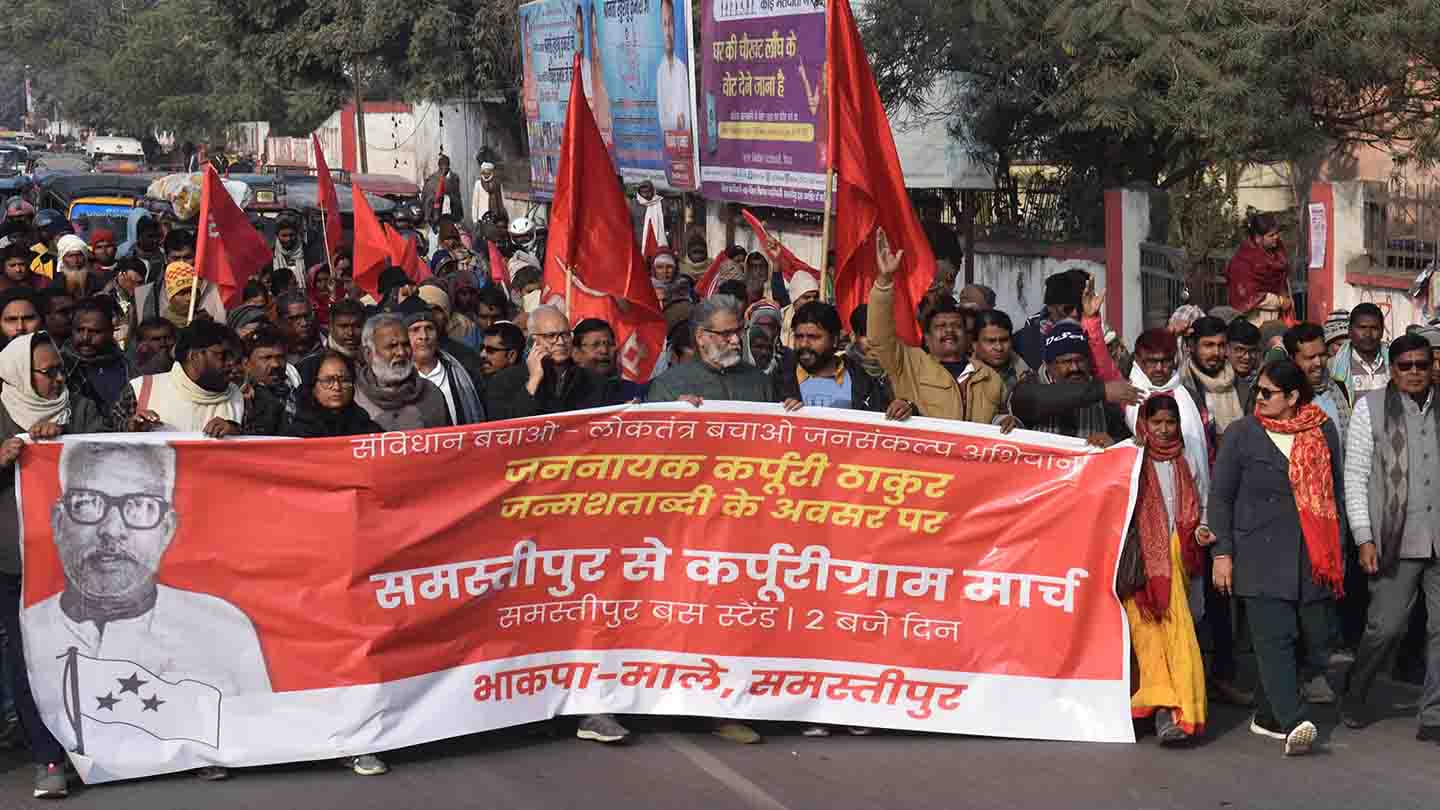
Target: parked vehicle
pixel 92 201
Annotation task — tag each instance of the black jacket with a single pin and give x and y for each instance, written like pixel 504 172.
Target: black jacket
pixel 506 396
pixel 312 422
pixel 1040 405
pixel 867 393
pixel 1254 518
pixel 1029 343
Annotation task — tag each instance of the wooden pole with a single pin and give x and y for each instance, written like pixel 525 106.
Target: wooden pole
pixel 825 292
pixel 569 287
pixel 194 287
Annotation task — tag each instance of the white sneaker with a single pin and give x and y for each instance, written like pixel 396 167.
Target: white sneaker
pixel 1299 741
pixel 368 765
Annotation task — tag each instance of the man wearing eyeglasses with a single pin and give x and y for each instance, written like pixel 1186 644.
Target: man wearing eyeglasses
pixel 549 381
pixel 719 372
pixel 1392 497
pixel 115 519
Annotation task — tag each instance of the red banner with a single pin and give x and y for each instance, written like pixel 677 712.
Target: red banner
pixel 330 597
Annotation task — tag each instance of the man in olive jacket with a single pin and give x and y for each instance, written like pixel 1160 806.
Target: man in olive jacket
pixel 717 372
pixel 941 382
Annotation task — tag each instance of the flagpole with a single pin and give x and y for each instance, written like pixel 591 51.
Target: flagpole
pixel 825 234
pixel 569 286
pixel 194 285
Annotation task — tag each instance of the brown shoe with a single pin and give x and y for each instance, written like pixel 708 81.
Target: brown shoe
pixel 1228 692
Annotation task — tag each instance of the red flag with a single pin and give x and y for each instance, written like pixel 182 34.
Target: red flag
pixel 705 287
pixel 329 200
pixel 869 185
pixel 229 250
pixel 372 246
pixel 499 268
pixel 404 255
pixel 591 238
pixel 789 263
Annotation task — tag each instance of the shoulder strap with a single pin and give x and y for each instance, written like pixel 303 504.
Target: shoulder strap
pixel 146 383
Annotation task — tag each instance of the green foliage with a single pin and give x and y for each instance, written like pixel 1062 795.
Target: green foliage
pixel 1156 90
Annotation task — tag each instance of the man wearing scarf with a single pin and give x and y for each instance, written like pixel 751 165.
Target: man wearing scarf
pixel 1392 495
pixel 488 195
pixel 45 412
pixel 289 251
pixel 95 367
pixel 647 213
pixel 1065 397
pixel 1305 343
pixel 441 196
pixel 1210 380
pixel 1167 528
pixel 388 387
pixel 195 395
pixel 1155 372
pixel 462 396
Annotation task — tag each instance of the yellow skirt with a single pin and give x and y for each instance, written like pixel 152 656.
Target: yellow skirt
pixel 1172 671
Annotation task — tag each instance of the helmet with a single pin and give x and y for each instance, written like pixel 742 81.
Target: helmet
pixel 52 223
pixel 17 207
pixel 521 228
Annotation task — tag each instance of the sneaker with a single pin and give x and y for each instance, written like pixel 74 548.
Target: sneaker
pixel 212 773
pixel 1342 656
pixel 1265 728
pixel 1428 734
pixel 1317 690
pixel 737 733
pixel 859 731
pixel 1167 730
pixel 601 728
pixel 815 731
pixel 1298 742
pixel 50 782
pixel 1227 692
pixel 368 765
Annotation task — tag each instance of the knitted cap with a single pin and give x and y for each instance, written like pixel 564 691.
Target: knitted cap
pixel 1337 326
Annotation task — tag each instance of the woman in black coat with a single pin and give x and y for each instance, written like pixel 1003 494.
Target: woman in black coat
pixel 326 404
pixel 1275 510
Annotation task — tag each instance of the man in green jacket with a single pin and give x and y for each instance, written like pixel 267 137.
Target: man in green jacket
pixel 717 372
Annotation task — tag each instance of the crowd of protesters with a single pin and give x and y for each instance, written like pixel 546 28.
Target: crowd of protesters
pixel 1289 477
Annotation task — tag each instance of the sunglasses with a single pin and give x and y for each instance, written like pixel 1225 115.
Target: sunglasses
pixel 1266 393
pixel 1410 365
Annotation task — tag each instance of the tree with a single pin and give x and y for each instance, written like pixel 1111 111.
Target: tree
pixel 1157 90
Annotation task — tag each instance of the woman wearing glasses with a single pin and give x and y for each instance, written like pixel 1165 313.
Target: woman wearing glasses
pixel 327 402
pixel 33 400
pixel 1274 511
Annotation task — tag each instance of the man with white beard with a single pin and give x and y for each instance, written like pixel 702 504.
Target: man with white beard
pixel 388 386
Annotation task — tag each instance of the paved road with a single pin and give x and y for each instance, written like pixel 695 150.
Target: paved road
pixel 671 766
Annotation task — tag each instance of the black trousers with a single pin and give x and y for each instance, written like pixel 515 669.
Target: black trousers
pixel 1276 629
pixel 43 746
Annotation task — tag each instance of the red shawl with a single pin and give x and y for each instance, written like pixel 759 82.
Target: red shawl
pixel 1154 525
pixel 1313 482
pixel 1254 271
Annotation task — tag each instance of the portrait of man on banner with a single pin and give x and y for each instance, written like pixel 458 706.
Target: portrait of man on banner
pixel 114 520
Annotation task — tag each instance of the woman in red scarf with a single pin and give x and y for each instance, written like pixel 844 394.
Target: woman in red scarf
pixel 1162 629
pixel 1259 273
pixel 1274 507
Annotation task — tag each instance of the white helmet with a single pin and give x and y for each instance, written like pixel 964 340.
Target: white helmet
pixel 521 228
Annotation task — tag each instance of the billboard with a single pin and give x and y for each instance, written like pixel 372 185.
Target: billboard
pixel 636 67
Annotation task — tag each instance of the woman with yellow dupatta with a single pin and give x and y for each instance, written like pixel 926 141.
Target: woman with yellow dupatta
pixel 1162 630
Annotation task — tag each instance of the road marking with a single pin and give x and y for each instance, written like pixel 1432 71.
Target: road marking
pixel 751 793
